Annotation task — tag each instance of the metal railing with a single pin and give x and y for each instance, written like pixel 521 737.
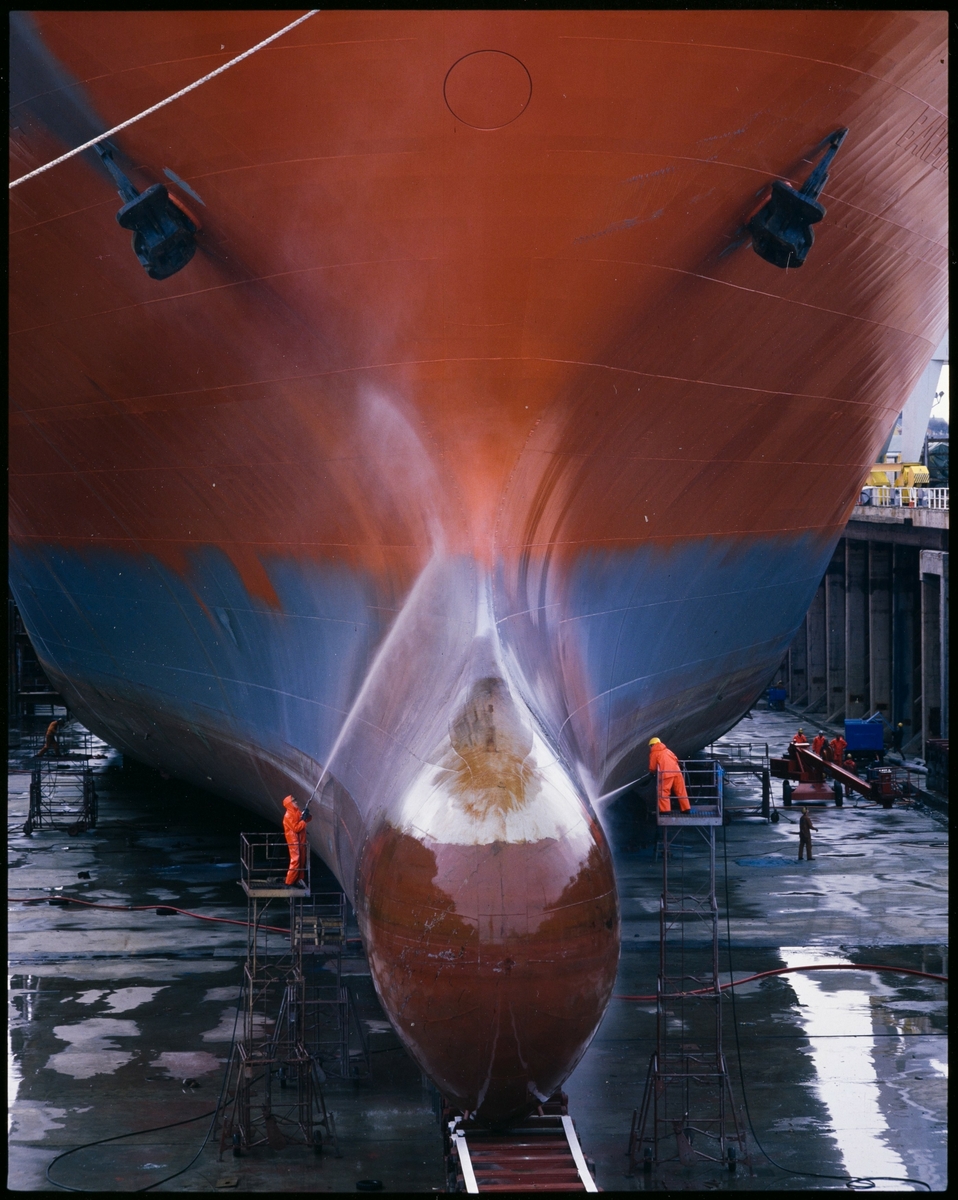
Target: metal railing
pixel 904 497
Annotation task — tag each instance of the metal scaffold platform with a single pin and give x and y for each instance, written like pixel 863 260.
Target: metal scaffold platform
pixel 687 1113
pixel 275 1076
pixel 746 758
pixel 62 795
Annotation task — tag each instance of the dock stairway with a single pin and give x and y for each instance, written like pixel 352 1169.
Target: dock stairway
pixel 540 1155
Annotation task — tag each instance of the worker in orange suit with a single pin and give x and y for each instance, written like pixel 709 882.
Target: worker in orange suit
pixel 837 746
pixel 294 826
pixel 818 742
pixel 800 739
pixel 50 742
pixel 665 766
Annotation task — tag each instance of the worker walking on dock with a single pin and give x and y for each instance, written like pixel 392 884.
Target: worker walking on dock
pixel 837 746
pixel 805 828
pixel 818 742
pixel 294 826
pixel 665 766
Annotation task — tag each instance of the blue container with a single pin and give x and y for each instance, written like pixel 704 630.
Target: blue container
pixel 865 735
pixel 776 698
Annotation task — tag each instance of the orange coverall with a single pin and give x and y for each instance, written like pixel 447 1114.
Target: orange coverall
pixel 818 743
pixel 295 829
pixel 838 745
pixel 50 742
pixel 665 766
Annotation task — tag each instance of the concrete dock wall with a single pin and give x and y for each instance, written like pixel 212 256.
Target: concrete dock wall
pixel 875 637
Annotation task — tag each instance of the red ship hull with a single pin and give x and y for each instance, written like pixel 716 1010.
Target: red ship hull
pixel 470 435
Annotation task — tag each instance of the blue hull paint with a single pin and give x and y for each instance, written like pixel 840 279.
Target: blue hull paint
pixel 195 675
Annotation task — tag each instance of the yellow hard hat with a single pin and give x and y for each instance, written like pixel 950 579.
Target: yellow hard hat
pixel 653 741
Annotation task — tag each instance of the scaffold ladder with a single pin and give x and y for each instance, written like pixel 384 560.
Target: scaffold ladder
pixel 275 1084
pixel 688 1113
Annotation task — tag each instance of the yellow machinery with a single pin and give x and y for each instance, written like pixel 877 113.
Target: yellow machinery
pixel 896 474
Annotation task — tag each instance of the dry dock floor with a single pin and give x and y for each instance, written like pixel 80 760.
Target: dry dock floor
pixel 844 1072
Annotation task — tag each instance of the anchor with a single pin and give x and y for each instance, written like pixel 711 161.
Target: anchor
pixel 782 228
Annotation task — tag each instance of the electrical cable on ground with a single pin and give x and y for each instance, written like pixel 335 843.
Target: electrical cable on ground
pixel 809 967
pixel 163 103
pixel 156 1128
pixel 66 900
pixel 856 1182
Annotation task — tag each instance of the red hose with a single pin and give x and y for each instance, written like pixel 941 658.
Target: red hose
pixel 670 996
pixel 786 970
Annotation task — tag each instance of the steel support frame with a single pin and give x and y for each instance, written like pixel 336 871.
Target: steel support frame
pixel 62 796
pixel 274 1092
pixel 688 1093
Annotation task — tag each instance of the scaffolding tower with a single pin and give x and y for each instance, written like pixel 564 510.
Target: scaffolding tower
pixel 275 1093
pixel 331 1014
pixel 688 1113
pixel 62 795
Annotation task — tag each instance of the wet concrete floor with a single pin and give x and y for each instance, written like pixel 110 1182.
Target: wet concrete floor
pixel 844 1072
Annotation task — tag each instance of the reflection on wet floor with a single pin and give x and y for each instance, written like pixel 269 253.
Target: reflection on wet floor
pixel 839 1025
pixel 123 1021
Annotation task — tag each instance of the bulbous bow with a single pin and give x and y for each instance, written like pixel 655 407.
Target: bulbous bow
pixel 488 906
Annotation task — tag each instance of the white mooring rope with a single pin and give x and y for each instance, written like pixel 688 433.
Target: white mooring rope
pixel 169 100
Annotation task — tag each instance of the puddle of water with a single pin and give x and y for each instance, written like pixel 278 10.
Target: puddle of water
pixel 88 997
pixel 847 1081
pixel 229 1023
pixel 34 1121
pixel 14 1078
pixel 22 1007
pixel 92 1050
pixel 187 1064
pixel 221 993
pixel 125 999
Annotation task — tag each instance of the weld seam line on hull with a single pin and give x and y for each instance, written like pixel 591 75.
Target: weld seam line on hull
pixel 823 62
pixel 177 62
pixel 163 103
pixel 739 287
pixel 698 662
pixel 486 358
pixel 607 612
pixel 219 287
pixel 137 542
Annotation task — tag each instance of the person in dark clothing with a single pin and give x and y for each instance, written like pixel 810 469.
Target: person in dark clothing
pixel 852 768
pixel 805 828
pixel 896 737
